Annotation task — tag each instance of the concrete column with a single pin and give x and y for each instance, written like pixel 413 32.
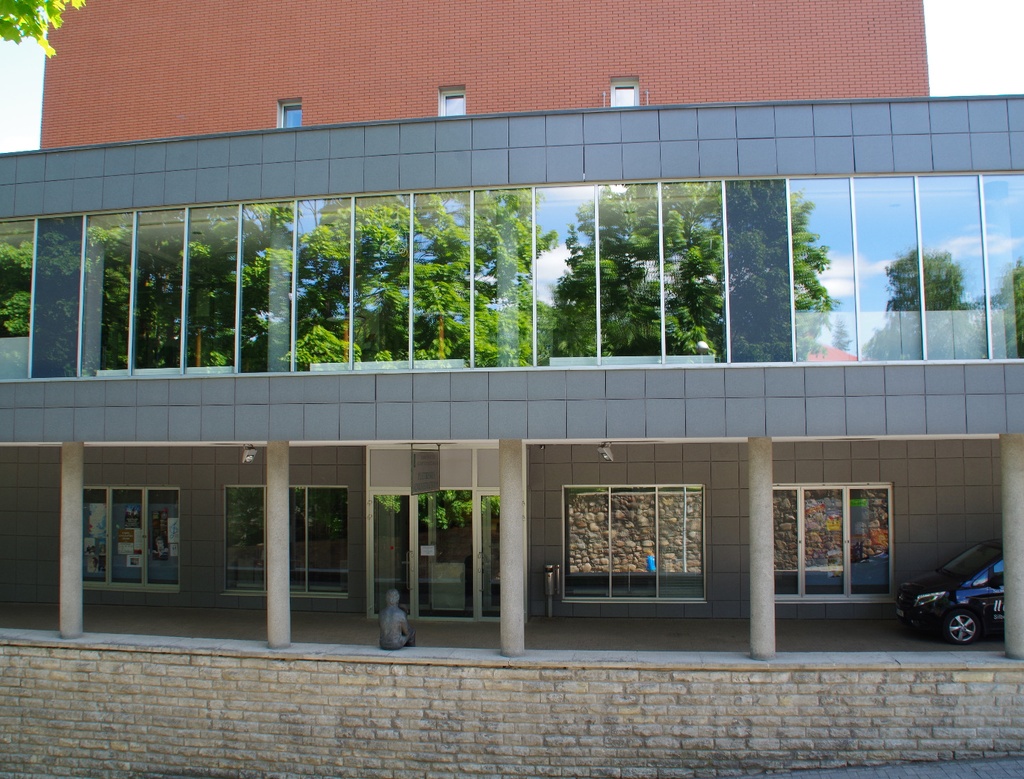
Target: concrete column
pixel 72 464
pixel 762 549
pixel 513 547
pixel 279 614
pixel 1011 455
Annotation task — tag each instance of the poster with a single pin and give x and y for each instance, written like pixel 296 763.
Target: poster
pixel 129 541
pixel 133 516
pixel 96 520
pixel 160 547
pixel 95 554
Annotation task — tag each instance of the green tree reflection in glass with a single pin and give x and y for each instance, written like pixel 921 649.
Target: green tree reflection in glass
pixel 17 244
pixel 694 268
pixel 323 284
pixel 107 297
pixel 441 302
pixel 381 294
pixel 1004 225
pixel 1009 298
pixel 630 271
pixel 212 274
pixel 159 256
pixel 566 277
pixel 945 279
pixel 759 276
pixel 504 279
pixel 267 259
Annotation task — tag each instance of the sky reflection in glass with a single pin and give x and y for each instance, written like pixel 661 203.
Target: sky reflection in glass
pixel 831 336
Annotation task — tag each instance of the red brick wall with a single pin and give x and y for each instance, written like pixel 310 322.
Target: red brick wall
pixel 129 70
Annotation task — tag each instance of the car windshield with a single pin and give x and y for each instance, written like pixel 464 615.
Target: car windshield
pixel 973 560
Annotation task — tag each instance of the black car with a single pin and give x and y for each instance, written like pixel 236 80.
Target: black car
pixel 963 599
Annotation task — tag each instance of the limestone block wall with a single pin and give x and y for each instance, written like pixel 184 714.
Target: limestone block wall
pixel 86 709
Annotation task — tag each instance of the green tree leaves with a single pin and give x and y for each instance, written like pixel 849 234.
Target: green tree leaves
pixel 24 19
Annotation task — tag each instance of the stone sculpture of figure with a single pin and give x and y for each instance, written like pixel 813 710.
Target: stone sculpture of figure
pixel 395 630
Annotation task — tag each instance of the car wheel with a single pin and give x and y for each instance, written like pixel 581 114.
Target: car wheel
pixel 960 627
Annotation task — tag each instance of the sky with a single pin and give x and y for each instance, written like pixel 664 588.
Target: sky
pixel 971 51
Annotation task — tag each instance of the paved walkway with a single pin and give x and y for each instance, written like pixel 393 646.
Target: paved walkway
pixel 993 768
pixel 581 634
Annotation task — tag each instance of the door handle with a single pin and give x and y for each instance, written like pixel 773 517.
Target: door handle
pixel 408 570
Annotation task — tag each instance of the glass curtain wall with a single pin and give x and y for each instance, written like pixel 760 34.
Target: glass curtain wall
pixel 55 299
pixel 159 270
pixel 566 276
pixel 1004 239
pixel 441 281
pixel 323 285
pixel 761 327
pixel 380 301
pixel 17 247
pixel 503 268
pixel 266 306
pixel 888 270
pixel 630 274
pixel 824 300
pixel 106 308
pixel 954 273
pixel 212 280
pixel 742 271
pixel 694 286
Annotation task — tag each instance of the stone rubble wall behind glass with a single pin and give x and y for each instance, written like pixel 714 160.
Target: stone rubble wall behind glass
pixel 666 526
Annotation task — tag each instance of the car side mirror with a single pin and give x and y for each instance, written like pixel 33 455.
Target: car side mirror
pixel 996 580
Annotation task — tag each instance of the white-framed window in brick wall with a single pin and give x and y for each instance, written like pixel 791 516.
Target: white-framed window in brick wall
pixel 628 542
pixel 625 92
pixel 833 541
pixel 289 113
pixel 451 101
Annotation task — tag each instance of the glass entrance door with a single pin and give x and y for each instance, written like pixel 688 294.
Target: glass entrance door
pixel 445 562
pixel 446 553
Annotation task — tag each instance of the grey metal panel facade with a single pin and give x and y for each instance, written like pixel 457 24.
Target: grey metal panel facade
pixel 734 401
pixel 800 139
pixel 720 402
